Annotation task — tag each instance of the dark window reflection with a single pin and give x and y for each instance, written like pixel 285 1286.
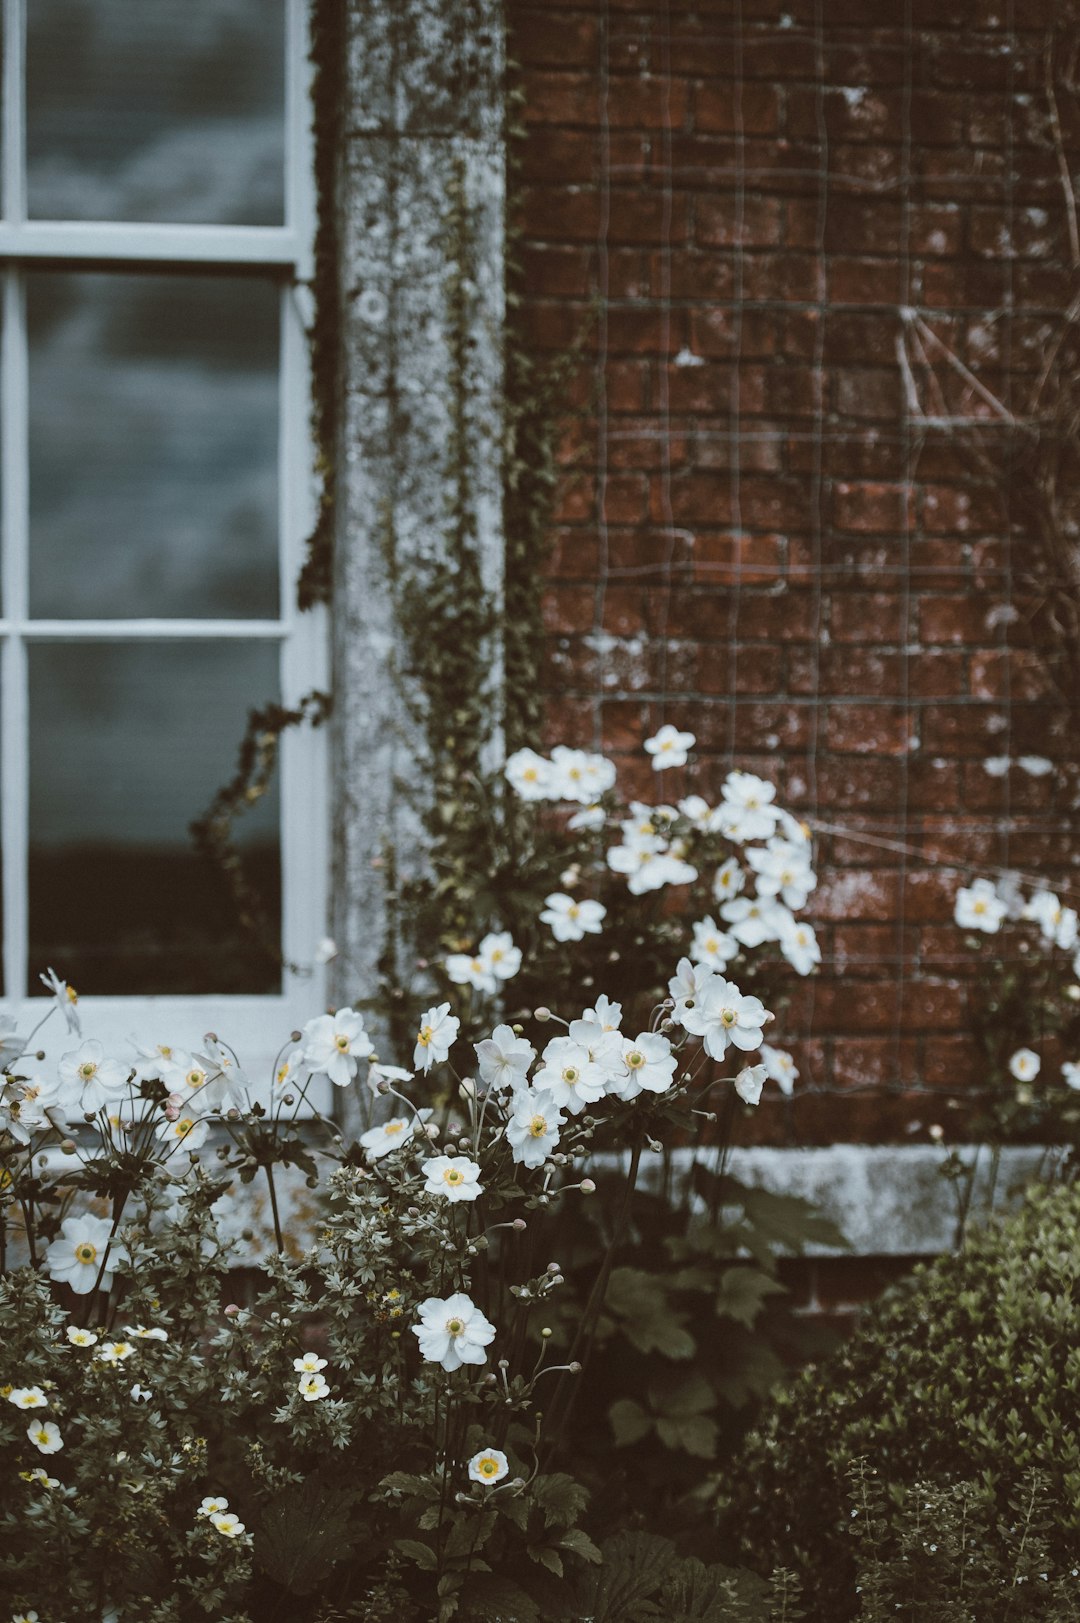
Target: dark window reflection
pixel 128 743
pixel 156 110
pixel 153 446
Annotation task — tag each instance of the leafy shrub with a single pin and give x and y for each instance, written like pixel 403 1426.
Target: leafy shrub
pixel 969 1370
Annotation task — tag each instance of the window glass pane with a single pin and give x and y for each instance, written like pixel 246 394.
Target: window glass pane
pixel 128 744
pixel 153 445
pixel 156 110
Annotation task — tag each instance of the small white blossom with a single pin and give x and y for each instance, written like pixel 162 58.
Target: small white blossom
pixel 747 812
pixel 1025 1065
pixel 45 1436
pixel 722 1015
pixel 530 775
pixel 141 1394
pixel 144 1332
pixel 114 1352
pixel 335 1043
pixel 749 1083
pixel 437 1035
pixel 780 1067
pixel 77 1256
pixel 569 920
pixel 569 1075
pixel 728 880
pixel 80 1338
pixel 389 1135
pixel 533 1128
pixel 579 776
pixel 227 1524
pixel 466 969
pixel 754 921
pixel 312 1387
pixel 685 986
pixel 28 1397
pixel 212 1507
pixel 452 1331
pixel 97 1082
pixel 488 1467
pixel 783 870
pixel 309 1364
pixel 604 1013
pixel 66 998
pixel 669 747
pixel 1059 925
pixel 590 818
pixel 454 1177
pixel 648 1065
pixel 980 908
pixel 711 945
pixel 185 1132
pixel 1070 1072
pixel 498 952
pixel 39 1474
pixel 799 945
pixel 503 1059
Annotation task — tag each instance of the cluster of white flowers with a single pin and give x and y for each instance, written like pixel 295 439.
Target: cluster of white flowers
pixel 985 905
pixel 654 851
pixel 495 959
pixel 216 1511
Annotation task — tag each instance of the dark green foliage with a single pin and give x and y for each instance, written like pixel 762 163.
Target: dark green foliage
pixel 967 1372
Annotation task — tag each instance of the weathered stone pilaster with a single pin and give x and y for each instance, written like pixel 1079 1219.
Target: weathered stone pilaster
pixel 422 225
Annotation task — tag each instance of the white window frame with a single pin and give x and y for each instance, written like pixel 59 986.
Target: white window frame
pixel 255 1026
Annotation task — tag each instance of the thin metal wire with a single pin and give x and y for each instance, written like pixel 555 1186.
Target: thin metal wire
pixel 603 550
pixel 734 396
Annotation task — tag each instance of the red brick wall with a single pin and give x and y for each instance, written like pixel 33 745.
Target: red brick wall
pixel 755 537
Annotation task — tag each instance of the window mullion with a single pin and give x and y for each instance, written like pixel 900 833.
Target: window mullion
pixel 14 699
pixel 14 115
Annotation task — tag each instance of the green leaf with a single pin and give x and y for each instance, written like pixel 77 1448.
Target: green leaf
pixel 634 1566
pixel 580 1543
pixel 489 1595
pixel 561 1499
pixel 303 1532
pixel 422 1555
pixel 629 1422
pixel 743 1292
pixel 469 1535
pixel 546 1557
pixel 696 1436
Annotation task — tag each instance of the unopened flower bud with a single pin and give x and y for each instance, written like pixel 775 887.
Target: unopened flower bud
pixel 519 1223
pixel 382 1086
pixel 542 1014
pixel 553 1268
pixel 413 1211
pixel 587 1186
pixel 547 1332
pixel 574 1368
pixel 211 1037
pixel 489 1380
pixel 40 1054
pixel 290 1099
pixel 1073 993
pixel 295 1036
pixel 667 1025
pixel 68 1146
pixel 231 1309
pixel 431 1131
pixel 517 1029
pixel 504 1363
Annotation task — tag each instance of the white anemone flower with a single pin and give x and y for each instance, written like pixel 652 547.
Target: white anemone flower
pixel 749 1083
pixel 711 945
pixel 604 1013
pixel 754 920
pixel 721 1015
pixel 569 920
pixel 1070 1072
pixel 452 1331
pixel 799 945
pixel 186 1132
pixel 114 1352
pixel 75 1258
pixel 98 1082
pixel 783 870
pixel 1059 925
pixel 503 1058
pixel 80 1338
pixel 335 1043
pixel 394 1074
pixel 728 880
pixel 533 1128
pixel 66 999
pixel 979 907
pixel 603 1045
pixel 11 1044
pixel 28 1397
pixel 437 1035
pixel 212 1506
pixel 530 775
pixel 489 1467
pixel 748 812
pixel 590 818
pixel 498 953
pixel 685 986
pixel 648 1065
pixel 312 1387
pixel 669 747
pixel 576 775
pixel 469 969
pixel 45 1436
pixel 1025 1065
pixel 146 1332
pixel 454 1177
pixel 387 1136
pixel 780 1068
pixel 569 1075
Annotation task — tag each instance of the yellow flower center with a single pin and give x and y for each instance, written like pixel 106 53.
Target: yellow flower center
pixel 183 1127
pixel 728 1017
pixel 980 907
pixel 453 1175
pixel 538 1127
pixel 341 1043
pixel 424 1036
pixel 711 944
pixel 570 1075
pixel 87 1069
pixel 73 996
pixel 455 1326
pixel 573 910
pixel 530 774
pixel 635 1059
pixel 195 1079
pixel 85 1252
pixel 393 1128
pixel 488 1466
